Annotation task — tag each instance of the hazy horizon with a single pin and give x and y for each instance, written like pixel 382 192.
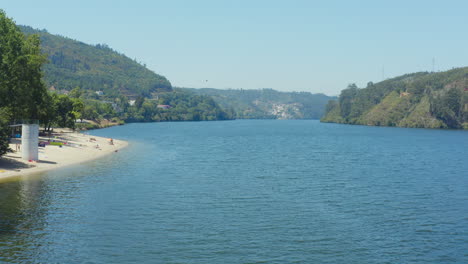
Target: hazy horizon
pixel 294 46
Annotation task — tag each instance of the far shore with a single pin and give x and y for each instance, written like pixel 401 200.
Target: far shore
pixel 72 148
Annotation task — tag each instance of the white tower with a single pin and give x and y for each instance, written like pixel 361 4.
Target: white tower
pixel 30 142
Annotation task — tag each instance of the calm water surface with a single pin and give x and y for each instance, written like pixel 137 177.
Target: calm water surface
pixel 248 192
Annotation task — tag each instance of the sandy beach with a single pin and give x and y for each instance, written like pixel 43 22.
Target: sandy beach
pixel 70 148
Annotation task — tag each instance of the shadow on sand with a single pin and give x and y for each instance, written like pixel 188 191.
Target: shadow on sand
pixel 12 164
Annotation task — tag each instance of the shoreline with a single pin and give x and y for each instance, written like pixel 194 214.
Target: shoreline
pixel 74 148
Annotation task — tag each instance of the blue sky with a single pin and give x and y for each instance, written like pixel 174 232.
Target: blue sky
pixel 316 46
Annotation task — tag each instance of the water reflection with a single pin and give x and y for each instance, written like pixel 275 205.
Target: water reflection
pixel 238 193
pixel 20 215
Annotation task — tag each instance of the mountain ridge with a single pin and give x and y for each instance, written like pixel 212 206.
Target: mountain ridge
pixel 419 100
pixel 267 103
pixel 73 63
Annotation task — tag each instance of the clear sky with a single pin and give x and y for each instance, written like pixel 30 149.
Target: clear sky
pixel 289 45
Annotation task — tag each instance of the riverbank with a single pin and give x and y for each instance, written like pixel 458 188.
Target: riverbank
pixel 66 148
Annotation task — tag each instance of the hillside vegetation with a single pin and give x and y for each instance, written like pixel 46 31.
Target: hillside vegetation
pixel 119 80
pixel 267 103
pixel 424 100
pixel 73 63
pixel 114 87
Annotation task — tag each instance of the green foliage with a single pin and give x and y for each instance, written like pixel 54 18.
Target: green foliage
pixel 263 103
pixel 75 64
pixel 420 116
pixel 68 110
pixel 76 92
pixel 21 87
pixel 431 100
pixel 346 100
pixel 389 112
pixel 97 110
pixel 83 69
pixel 48 113
pixel 4 131
pixel 449 108
pixel 333 113
pixel 182 106
pixel 22 92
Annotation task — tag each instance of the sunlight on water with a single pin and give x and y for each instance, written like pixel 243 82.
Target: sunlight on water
pixel 248 192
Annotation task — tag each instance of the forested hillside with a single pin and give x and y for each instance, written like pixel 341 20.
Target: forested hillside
pixel 425 100
pixel 267 103
pixel 115 87
pixel 106 77
pixel 73 63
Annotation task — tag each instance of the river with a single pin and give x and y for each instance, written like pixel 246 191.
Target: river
pixel 248 191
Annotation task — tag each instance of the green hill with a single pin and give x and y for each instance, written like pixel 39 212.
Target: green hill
pixel 267 103
pixel 130 91
pixel 73 63
pixel 424 100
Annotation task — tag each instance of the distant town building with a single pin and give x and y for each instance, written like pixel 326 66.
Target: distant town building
pixel 100 93
pixel 164 106
pixel 131 102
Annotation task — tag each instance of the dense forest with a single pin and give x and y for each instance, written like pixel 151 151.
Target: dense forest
pixel 73 64
pixel 175 106
pixel 267 103
pixel 109 84
pixel 424 100
pixel 114 88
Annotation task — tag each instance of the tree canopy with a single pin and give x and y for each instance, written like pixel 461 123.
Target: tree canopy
pixel 429 100
pixel 94 68
pixel 267 103
pixel 22 92
pixel 21 88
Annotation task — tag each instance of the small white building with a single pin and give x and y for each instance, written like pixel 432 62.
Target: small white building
pixel 30 141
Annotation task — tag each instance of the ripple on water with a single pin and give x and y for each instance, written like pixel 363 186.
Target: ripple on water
pixel 248 192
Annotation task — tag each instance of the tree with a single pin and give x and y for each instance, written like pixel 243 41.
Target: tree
pixel 78 108
pixel 49 112
pixel 66 116
pixel 4 131
pixel 453 100
pixel 330 105
pixel 76 92
pixel 21 88
pixel 139 102
pixel 448 108
pixel 90 112
pixel 346 99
